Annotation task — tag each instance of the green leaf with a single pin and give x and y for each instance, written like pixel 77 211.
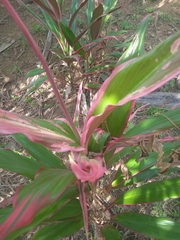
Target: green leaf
pixel 140 170
pixel 121 114
pixel 70 37
pixel 34 72
pixel 136 48
pixel 154 227
pixel 89 11
pixel 109 232
pixel 156 124
pixel 33 14
pixel 37 83
pixel 38 152
pixel 96 27
pixel 60 230
pixel 71 209
pixel 108 5
pixel 97 141
pixel 142 176
pixel 151 192
pixel 74 6
pixel 14 162
pixel 117 156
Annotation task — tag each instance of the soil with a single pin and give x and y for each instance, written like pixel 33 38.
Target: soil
pixel 18 59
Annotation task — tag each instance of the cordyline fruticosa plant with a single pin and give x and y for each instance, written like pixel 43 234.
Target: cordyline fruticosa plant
pixel 61 198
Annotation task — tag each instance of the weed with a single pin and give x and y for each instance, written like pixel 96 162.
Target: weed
pixel 2 145
pixel 172 83
pixel 157 210
pixel 163 16
pixel 134 16
pixel 17 70
pixel 125 25
pixel 149 10
pixel 152 111
pixel 46 105
pixel 37 28
pixel 28 99
pixel 14 97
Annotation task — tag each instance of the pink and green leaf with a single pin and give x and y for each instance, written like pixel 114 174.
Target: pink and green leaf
pixel 77 110
pixel 122 113
pixel 46 9
pixel 132 80
pixel 45 213
pixel 31 199
pixel 82 200
pixel 55 135
pixel 153 227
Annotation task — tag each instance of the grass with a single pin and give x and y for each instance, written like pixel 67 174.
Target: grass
pixel 35 29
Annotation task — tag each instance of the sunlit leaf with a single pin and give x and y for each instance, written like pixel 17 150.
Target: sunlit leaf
pixel 154 227
pixel 156 124
pixel 151 192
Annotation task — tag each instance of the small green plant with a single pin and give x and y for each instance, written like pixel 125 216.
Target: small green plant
pixel 37 28
pixel 28 99
pixel 17 70
pixel 157 210
pixel 149 10
pixel 153 111
pixel 46 105
pixel 125 25
pixel 163 16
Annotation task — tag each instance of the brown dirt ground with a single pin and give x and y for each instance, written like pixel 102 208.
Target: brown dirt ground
pixel 18 59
